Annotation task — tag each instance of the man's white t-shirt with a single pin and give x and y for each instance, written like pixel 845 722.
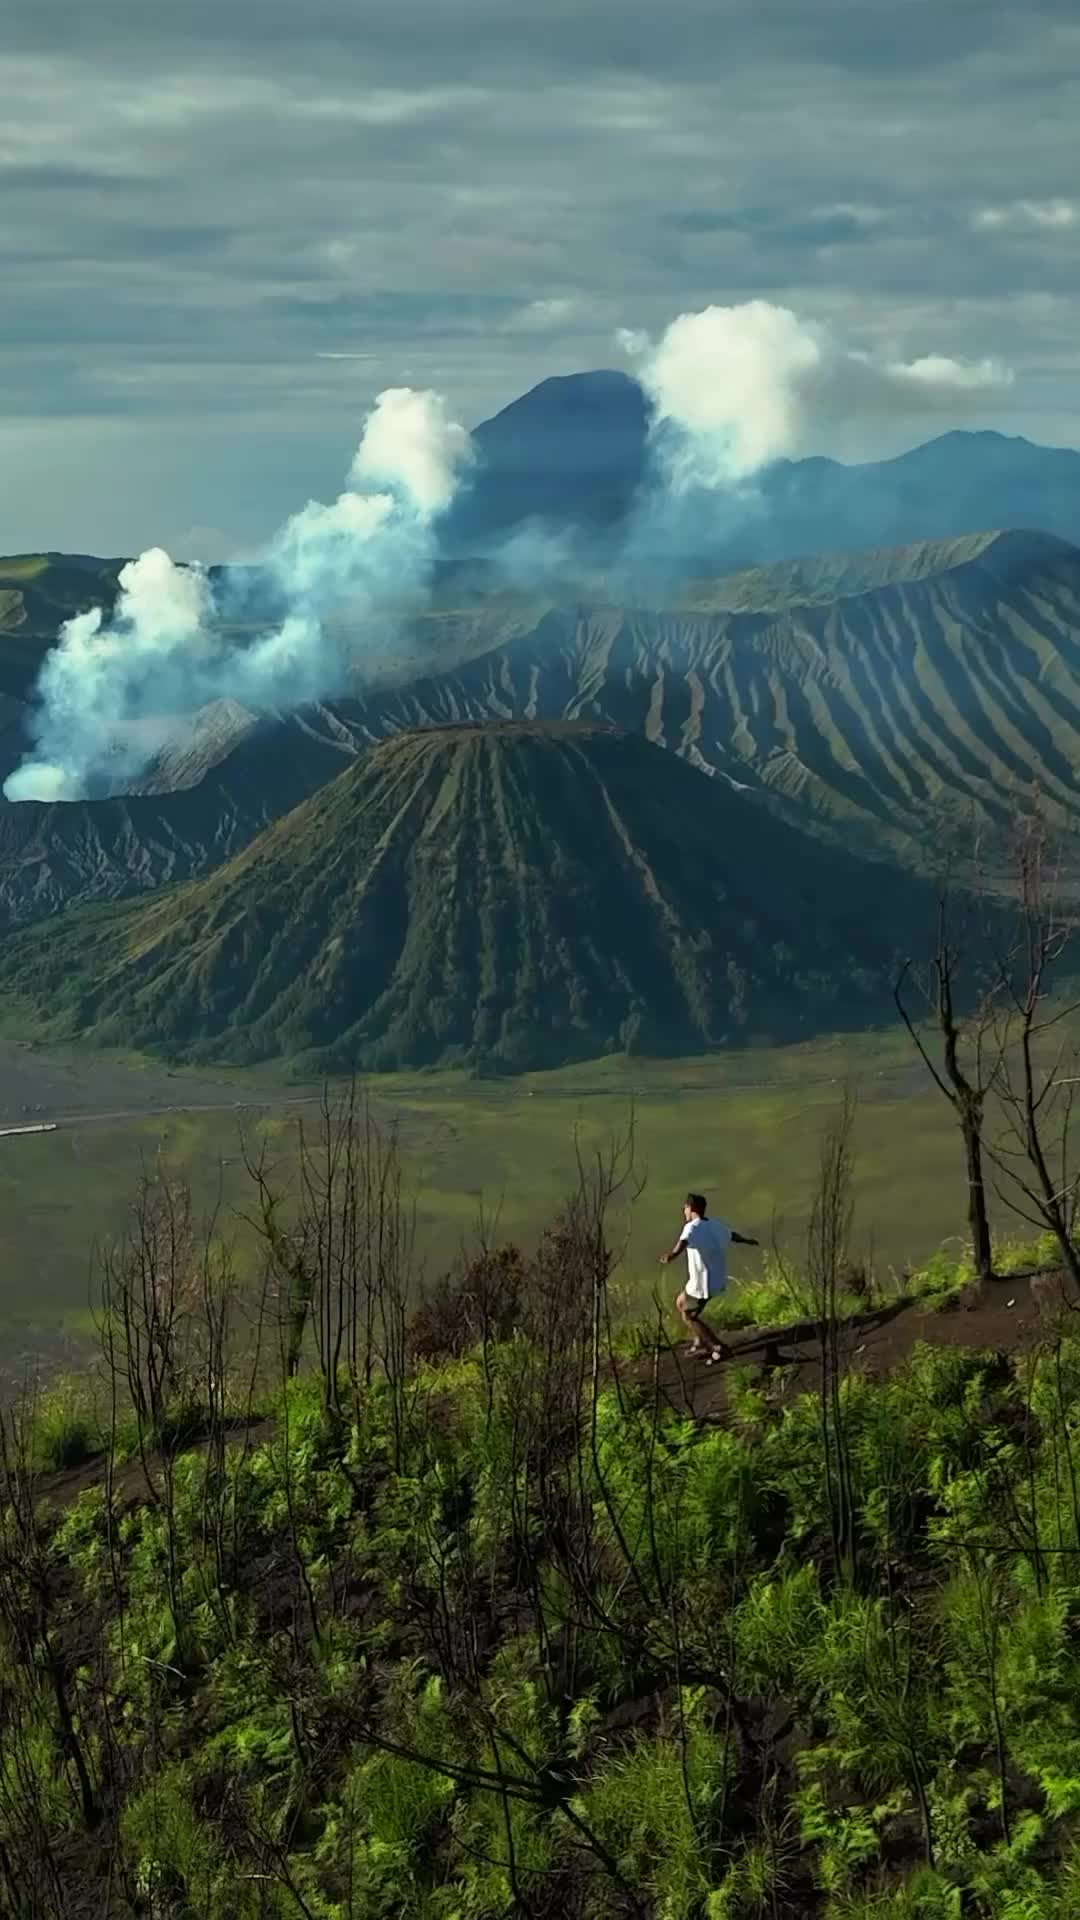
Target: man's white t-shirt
pixel 706 1242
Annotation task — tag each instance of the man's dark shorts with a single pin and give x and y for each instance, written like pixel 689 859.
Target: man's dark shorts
pixel 694 1308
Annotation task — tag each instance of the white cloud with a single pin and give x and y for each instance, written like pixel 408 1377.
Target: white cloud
pixel 731 377
pixel 193 212
pixel 857 211
pixel 1049 216
pixel 388 107
pixel 168 649
pixel 543 316
pixel 938 373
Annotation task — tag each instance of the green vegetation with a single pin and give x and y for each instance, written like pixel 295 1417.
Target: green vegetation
pixel 505 896
pixel 66 1423
pixel 335 1592
pixel 744 1126
pixel 371 1615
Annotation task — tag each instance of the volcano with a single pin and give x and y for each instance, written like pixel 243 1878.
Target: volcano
pixel 508 896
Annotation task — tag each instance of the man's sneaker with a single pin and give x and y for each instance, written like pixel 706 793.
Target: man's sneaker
pixel 718 1356
pixel 696 1346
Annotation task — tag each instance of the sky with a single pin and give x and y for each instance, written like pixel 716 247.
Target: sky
pixel 225 225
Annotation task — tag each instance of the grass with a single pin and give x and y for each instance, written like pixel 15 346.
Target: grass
pixel 66 1424
pixel 744 1128
pixel 369 1638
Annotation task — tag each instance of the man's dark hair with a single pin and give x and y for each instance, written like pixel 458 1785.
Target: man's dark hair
pixel 698 1202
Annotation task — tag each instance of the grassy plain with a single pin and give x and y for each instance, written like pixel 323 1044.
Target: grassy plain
pixel 743 1127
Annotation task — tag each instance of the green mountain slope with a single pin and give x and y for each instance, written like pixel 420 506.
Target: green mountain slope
pixel 521 896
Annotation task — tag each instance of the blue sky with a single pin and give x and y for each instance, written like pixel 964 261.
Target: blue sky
pixel 226 224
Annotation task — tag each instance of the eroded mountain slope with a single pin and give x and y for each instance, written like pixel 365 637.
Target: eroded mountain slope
pixel 880 699
pixel 515 896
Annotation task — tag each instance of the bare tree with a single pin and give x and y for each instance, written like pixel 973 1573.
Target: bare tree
pixel 969 1052
pixel 341 1252
pixel 28 1610
pixel 151 1288
pixel 1035 1053
pixel 827 1241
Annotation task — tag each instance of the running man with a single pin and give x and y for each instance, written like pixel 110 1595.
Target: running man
pixel 705 1243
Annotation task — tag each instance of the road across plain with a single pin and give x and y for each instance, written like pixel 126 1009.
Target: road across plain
pixel 905 1081
pixel 203 1106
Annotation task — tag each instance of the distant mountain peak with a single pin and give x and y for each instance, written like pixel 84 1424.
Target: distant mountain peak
pixel 572 452
pixel 564 414
pixel 600 386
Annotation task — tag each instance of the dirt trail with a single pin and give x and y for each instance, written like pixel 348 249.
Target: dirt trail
pixel 130 1477
pixel 1007 1316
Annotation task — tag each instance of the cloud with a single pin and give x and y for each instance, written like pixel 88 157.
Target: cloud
pixel 1048 216
pixel 731 379
pixel 544 316
pixel 735 389
pixel 854 213
pixel 195 215
pixel 947 379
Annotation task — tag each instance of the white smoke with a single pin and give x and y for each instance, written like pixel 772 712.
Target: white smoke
pixel 732 390
pixel 411 442
pixel 735 388
pixel 732 380
pixel 167 648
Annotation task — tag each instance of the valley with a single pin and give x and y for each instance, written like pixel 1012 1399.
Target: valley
pixel 539 827
pixel 747 1126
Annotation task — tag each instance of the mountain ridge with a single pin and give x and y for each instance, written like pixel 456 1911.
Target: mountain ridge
pixel 572 451
pixel 873 717
pixel 951 484
pixel 869 714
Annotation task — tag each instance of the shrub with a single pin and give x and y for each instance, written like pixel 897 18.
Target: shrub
pixel 484 1302
pixel 948 1270
pixel 64 1427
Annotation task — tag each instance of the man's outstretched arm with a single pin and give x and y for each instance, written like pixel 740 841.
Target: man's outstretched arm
pixel 666 1258
pixel 744 1240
